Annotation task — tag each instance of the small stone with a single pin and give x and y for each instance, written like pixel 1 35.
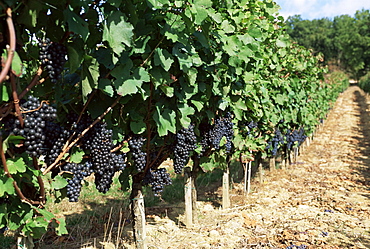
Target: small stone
pixel 214 233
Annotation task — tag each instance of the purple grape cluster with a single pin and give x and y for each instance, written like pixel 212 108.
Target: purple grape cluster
pixel 184 144
pixel 53 57
pixel 157 179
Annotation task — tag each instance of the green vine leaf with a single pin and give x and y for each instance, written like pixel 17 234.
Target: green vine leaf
pixel 6 185
pixel 16 165
pixel 163 58
pixel 117 32
pixel 75 23
pixel 59 182
pixel 77 155
pixel 165 120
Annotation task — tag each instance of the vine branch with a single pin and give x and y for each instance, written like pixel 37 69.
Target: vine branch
pixel 16 100
pixel 11 48
pixel 68 146
pixel 7 173
pixel 34 81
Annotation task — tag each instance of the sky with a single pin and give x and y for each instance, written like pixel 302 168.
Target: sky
pixel 316 9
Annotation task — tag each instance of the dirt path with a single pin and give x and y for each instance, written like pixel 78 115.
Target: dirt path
pixel 322 201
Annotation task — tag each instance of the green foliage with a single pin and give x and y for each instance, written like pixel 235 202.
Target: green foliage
pixel 159 66
pixel 364 82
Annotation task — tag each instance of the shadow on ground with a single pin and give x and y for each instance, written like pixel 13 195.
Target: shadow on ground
pixel 362 166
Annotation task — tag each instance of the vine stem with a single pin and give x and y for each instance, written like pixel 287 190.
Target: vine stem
pixel 34 81
pixel 79 117
pixel 7 173
pixel 159 43
pixel 68 146
pixel 16 100
pixel 11 48
pixel 151 53
pixel 7 107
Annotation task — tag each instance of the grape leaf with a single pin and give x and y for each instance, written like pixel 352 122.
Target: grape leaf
pixel 75 23
pixel 163 58
pixel 6 185
pixel 59 182
pixel 117 32
pixel 16 165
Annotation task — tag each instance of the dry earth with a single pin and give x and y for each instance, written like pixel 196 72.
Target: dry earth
pixel 322 201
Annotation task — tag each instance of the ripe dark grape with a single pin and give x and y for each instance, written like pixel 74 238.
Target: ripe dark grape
pixel 139 157
pixel 57 137
pixel 79 171
pixel 53 57
pixel 228 131
pixel 275 142
pixel 35 115
pixel 104 162
pixel 213 134
pixel 251 126
pixel 185 143
pixel 295 136
pixel 157 179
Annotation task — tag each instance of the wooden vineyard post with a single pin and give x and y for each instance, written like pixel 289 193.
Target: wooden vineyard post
pixel 188 198
pixel 25 242
pixel 194 175
pixel 288 158
pixel 226 186
pixel 138 213
pixel 260 170
pixel 194 199
pixel 247 166
pixel 249 174
pixel 225 190
pixel 272 164
pixel 296 152
pixel 283 161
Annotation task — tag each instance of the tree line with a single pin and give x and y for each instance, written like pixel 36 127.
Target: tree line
pixel 344 41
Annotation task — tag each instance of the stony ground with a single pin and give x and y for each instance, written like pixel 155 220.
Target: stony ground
pixel 321 201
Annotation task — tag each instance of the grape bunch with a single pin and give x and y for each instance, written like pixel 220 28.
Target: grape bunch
pixel 136 144
pixel 213 134
pixel 295 136
pixel 228 131
pixel 36 114
pixel 184 144
pixel 276 141
pixel 79 171
pixel 157 179
pixel 57 138
pixel 250 126
pixel 104 162
pixel 53 57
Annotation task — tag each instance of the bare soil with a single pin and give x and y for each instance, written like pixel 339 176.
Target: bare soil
pixel 321 201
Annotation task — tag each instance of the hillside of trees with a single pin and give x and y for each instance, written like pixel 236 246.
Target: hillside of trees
pixel 344 41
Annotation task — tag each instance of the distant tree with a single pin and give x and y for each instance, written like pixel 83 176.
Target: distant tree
pixel 344 41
